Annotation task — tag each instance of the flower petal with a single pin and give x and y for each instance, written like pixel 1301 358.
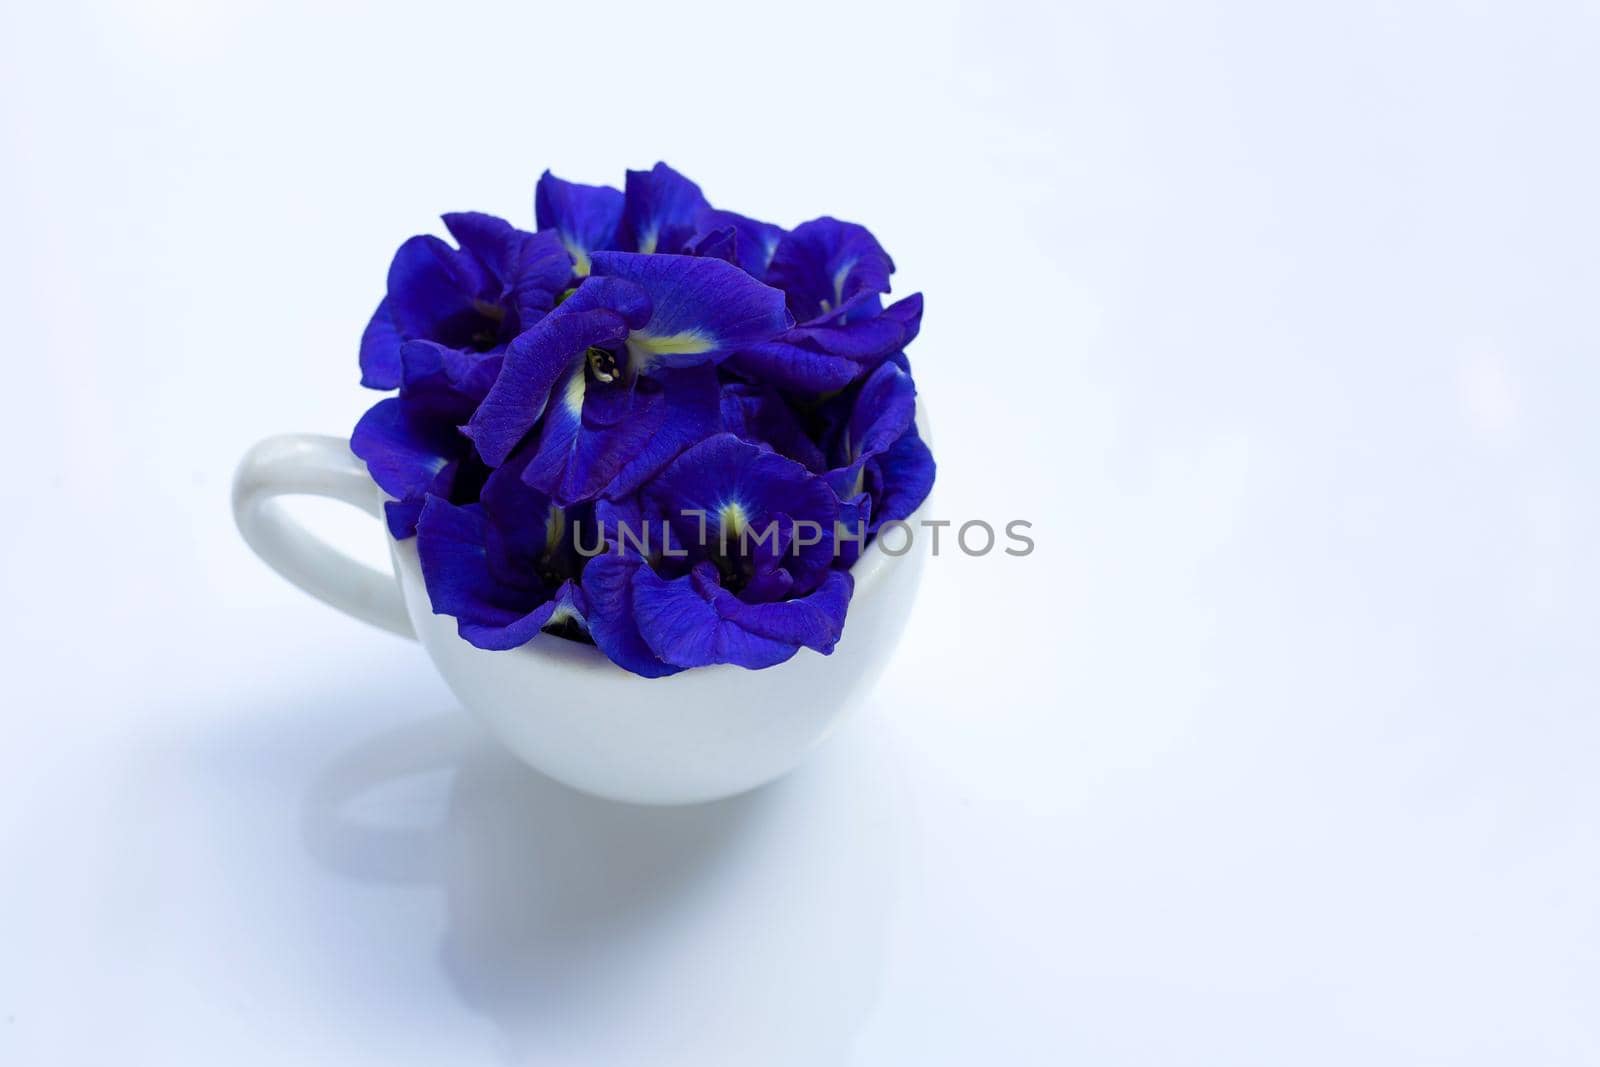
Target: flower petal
pixel 523 519
pixel 494 609
pixel 659 210
pixel 815 621
pixel 585 217
pixel 529 270
pixel 487 238
pixel 701 309
pixel 406 457
pixel 608 589
pixel 610 437
pixel 761 415
pixel 725 484
pixel 443 384
pixel 690 412
pixel 908 313
pixel 433 291
pixel 534 362
pixel 900 479
pixel 828 268
pixel 752 241
pixel 719 243
pixel 681 625
pixel 827 357
pixel 541 272
pixel 691 621
pixel 380 350
pixel 884 408
pixel 793 367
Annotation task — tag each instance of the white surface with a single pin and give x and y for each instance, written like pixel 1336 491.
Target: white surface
pixel 1279 324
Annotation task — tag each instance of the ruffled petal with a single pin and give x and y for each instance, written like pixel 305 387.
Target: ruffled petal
pixel 689 413
pixel 681 625
pixel 618 295
pixel 884 408
pixel 608 589
pixel 380 350
pixel 793 367
pixel 574 461
pixel 855 517
pixel 829 268
pixel 442 384
pixel 900 479
pixel 701 309
pixel 584 217
pixel 725 484
pixel 610 437
pixel 882 470
pixel 815 621
pixel 827 357
pixel 527 524
pixel 525 272
pixel 908 313
pixel 719 243
pixel 659 212
pixel 875 416
pixel 541 273
pixel 408 458
pixel 534 362
pixel 748 243
pixel 493 611
pixel 691 621
pixel 434 292
pixel 761 415
pixel 487 238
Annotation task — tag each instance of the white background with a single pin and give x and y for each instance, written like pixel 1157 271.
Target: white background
pixel 1277 320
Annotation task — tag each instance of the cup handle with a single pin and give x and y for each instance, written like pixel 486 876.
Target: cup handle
pixel 301 464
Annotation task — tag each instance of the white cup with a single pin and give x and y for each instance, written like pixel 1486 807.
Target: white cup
pixel 560 705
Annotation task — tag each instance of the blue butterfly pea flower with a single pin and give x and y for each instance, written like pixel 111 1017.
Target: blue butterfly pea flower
pixel 439 336
pixel 659 212
pixel 507 566
pixel 878 464
pixel 475 298
pixel 618 379
pixel 729 390
pixel 833 275
pixel 740 571
pixel 747 243
pixel 766 417
pixel 585 217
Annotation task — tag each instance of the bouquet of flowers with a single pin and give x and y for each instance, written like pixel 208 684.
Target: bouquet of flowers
pixel 654 425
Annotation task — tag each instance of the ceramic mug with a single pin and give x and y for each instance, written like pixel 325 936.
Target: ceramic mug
pixel 560 705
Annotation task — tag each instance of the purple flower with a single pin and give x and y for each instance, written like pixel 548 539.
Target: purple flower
pixel 661 211
pixel 879 466
pixel 833 275
pixel 507 566
pixel 765 416
pixel 618 379
pixel 699 397
pixel 739 569
pixel 439 336
pixel 747 243
pixel 475 298
pixel 584 217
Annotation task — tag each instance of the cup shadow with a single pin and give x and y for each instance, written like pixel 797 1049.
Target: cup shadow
pixel 620 933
